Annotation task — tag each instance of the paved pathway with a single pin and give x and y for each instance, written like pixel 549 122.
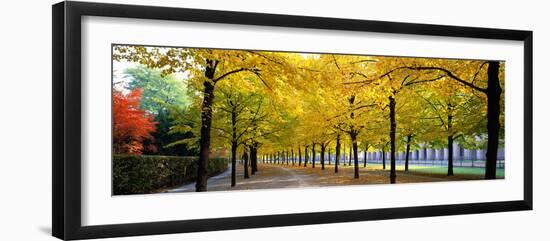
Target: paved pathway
pixel 282 176
pixel 211 180
pixel 268 176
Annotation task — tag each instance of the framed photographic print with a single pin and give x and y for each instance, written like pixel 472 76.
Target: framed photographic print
pixel 169 120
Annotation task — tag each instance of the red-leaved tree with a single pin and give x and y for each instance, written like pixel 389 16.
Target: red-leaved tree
pixel 131 125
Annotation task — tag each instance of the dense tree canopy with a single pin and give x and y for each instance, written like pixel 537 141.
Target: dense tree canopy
pixel 132 127
pixel 286 104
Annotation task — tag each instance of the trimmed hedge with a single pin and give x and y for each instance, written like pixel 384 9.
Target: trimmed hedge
pixel 135 174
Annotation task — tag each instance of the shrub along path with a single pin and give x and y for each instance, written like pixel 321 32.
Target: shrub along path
pixel 283 176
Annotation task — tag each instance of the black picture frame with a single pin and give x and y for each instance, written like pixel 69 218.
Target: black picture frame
pixel 66 158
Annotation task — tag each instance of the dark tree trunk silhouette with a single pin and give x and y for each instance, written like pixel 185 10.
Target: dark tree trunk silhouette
pixel 323 147
pixel 292 156
pixel 344 154
pixel 329 155
pixel 251 148
pixel 355 156
pixel 337 154
pixel 450 141
pixel 493 118
pixel 450 156
pixel 206 121
pixel 365 155
pixel 286 157
pixel 353 132
pixel 299 156
pixel 306 157
pixel 254 158
pixel 313 155
pixel 234 146
pixel 233 163
pixel 392 139
pixel 206 124
pixel 245 160
pixel 407 153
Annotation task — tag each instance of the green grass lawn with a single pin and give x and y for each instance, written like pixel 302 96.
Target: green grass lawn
pixel 474 171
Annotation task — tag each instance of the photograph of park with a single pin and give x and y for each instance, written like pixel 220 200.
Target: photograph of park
pixel 201 119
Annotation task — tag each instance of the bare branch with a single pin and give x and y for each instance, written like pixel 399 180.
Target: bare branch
pixel 424 81
pixel 448 73
pixel 228 73
pixel 257 73
pixel 364 60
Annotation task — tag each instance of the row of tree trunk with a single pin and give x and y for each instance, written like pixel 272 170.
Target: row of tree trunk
pixel 493 93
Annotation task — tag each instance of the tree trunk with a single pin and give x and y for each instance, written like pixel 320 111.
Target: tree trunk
pixel 407 153
pixel 286 157
pixel 392 139
pixel 251 159
pixel 233 164
pixel 292 156
pixel 254 158
pixel 323 157
pixel 450 156
pixel 255 163
pixel 313 155
pixel 299 156
pixel 306 156
pixel 493 119
pixel 234 146
pixel 356 158
pixel 344 154
pixel 337 153
pixel 245 159
pixel 449 141
pixel 206 124
pixel 365 155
